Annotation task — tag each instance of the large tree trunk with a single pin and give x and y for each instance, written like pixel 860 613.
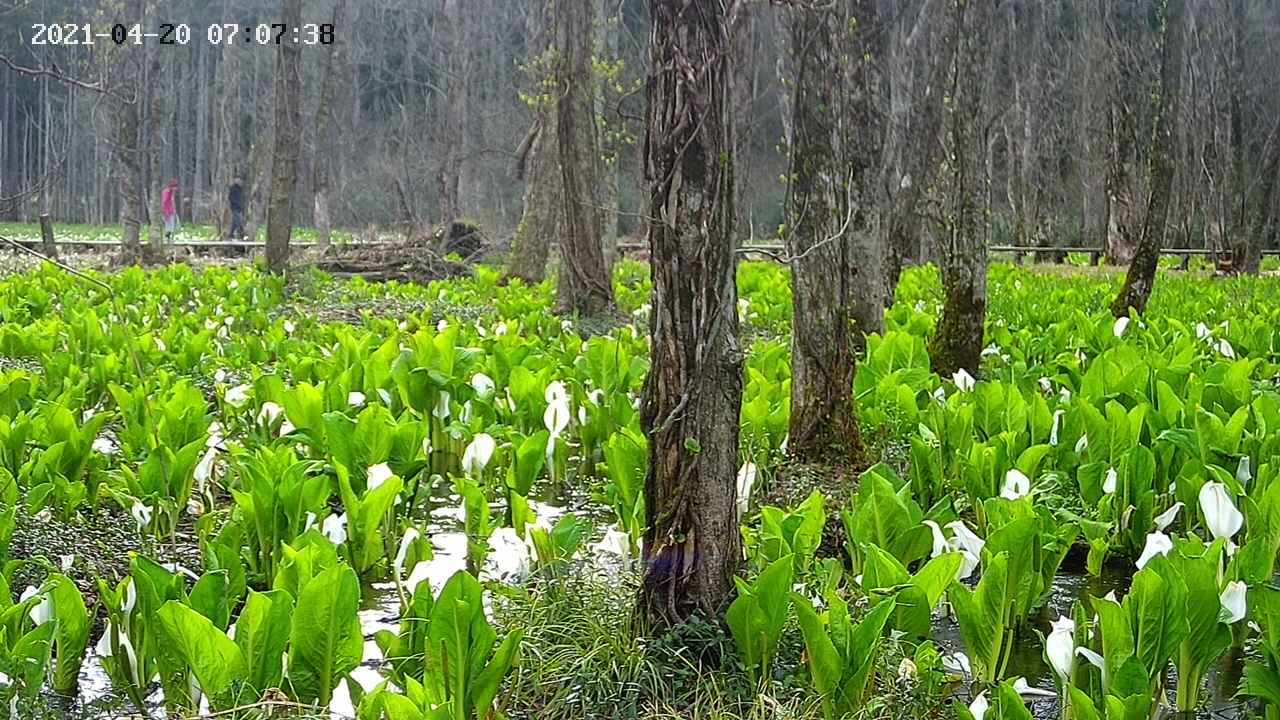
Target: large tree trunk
pixel 957 341
pixel 1142 271
pixel 836 290
pixel 693 393
pixel 324 161
pixel 585 285
pixel 537 164
pixel 284 157
pixel 543 211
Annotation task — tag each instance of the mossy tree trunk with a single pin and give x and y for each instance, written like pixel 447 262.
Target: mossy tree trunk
pixel 837 261
pixel 288 125
pixel 958 338
pixel 537 165
pixel 1142 270
pixel 585 286
pixel 693 393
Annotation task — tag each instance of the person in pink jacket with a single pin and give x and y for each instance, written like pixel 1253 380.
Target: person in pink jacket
pixel 169 206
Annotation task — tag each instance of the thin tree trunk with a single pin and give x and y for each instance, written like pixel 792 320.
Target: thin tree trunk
pixel 585 286
pixel 1142 271
pixel 693 393
pixel 325 135
pixel 957 341
pixel 155 90
pixel 127 99
pixel 288 124
pixel 823 211
pixel 452 56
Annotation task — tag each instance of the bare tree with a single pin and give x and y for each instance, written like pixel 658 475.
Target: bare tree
pixel 323 166
pixel 1142 271
pixel 288 124
pixel 585 286
pixel 453 60
pixel 693 393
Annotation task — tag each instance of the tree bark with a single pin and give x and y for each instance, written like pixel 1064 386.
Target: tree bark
pixel 836 264
pixel 543 211
pixel 452 57
pixel 585 286
pixel 957 341
pixel 693 393
pixel 126 84
pixel 156 88
pixel 284 156
pixel 322 184
pixel 537 164
pixel 1142 271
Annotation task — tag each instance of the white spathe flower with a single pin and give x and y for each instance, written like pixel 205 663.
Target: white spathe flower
pixel 746 481
pixel 1166 518
pixel 957 662
pixel 141 513
pixel 477 454
pixel 940 544
pixel 1220 513
pixel 1157 544
pixel 968 563
pixel 1024 689
pixel 42 612
pixel 269 412
pixel 1016 485
pixel 355 398
pixel 483 384
pixel 334 527
pixel 963 380
pixel 402 553
pixel 1110 481
pixel 1082 444
pixel 1234 602
pixel 1057 424
pixel 1046 385
pixel 441 410
pixel 1059 647
pixel 978 708
pixel 1093 657
pixel 555 389
pixel 104 446
pixel 500 328
pixel 219 375
pixel 614 542
pixel 1122 324
pixel 907 670
pixel 1244 472
pixel 556 416
pixel 1202 331
pixel 66 561
pixel 378 474
pixel 965 539
pixel 1225 348
pixel 204 468
pixel 289 327
pixel 237 396
pixel 465 416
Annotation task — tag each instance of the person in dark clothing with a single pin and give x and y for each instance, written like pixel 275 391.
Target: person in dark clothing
pixel 235 198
